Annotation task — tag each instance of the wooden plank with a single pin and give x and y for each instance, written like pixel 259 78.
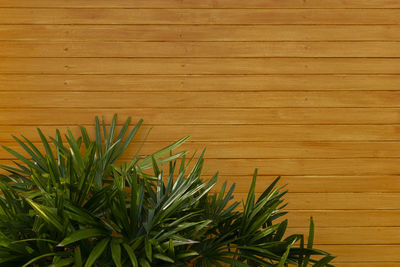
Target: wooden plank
pixel 270 150
pixel 370 264
pixel 320 183
pixel 338 201
pixel 351 235
pixel 203 4
pixel 199 49
pixel 349 218
pixel 200 66
pixel 312 167
pixel 376 166
pixel 364 253
pixel 327 99
pixel 201 83
pixel 221 133
pixel 289 149
pixel 198 16
pixel 192 116
pixel 201 32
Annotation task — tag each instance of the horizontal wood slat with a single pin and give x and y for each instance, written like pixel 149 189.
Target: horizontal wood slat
pixel 201 32
pixel 344 218
pixel 364 253
pixel 359 167
pixel 376 166
pixel 370 264
pixel 205 116
pixel 270 150
pixel 199 49
pixel 203 4
pixel 201 99
pixel 351 235
pixel 200 66
pixel 236 133
pixel 198 16
pixel 197 83
pixel 338 201
pixel 306 167
pixel 325 184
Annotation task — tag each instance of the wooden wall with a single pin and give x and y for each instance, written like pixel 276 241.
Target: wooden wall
pixel 306 89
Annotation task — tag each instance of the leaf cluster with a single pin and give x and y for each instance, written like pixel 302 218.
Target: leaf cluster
pixel 72 203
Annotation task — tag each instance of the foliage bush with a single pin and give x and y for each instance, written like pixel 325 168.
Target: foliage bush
pixel 72 204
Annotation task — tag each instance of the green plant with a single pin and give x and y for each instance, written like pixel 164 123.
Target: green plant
pixel 75 205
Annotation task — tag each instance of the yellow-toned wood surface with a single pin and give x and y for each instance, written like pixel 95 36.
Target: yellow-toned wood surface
pixel 305 89
pixel 210 32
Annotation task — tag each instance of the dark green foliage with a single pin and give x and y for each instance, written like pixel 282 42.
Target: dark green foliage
pixel 75 206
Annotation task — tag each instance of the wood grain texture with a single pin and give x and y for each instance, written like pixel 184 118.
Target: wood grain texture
pixel 270 150
pixel 235 133
pixel 328 99
pixel 305 167
pixel 206 116
pixel 203 4
pixel 198 16
pixel 73 33
pixel 248 66
pixel 308 167
pixel 197 83
pixel 375 254
pixel 199 49
pixel 370 264
pixel 346 235
pixel 318 183
pixel 304 89
pixel 344 218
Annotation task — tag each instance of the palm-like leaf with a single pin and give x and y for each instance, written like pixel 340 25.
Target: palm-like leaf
pixel 71 203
